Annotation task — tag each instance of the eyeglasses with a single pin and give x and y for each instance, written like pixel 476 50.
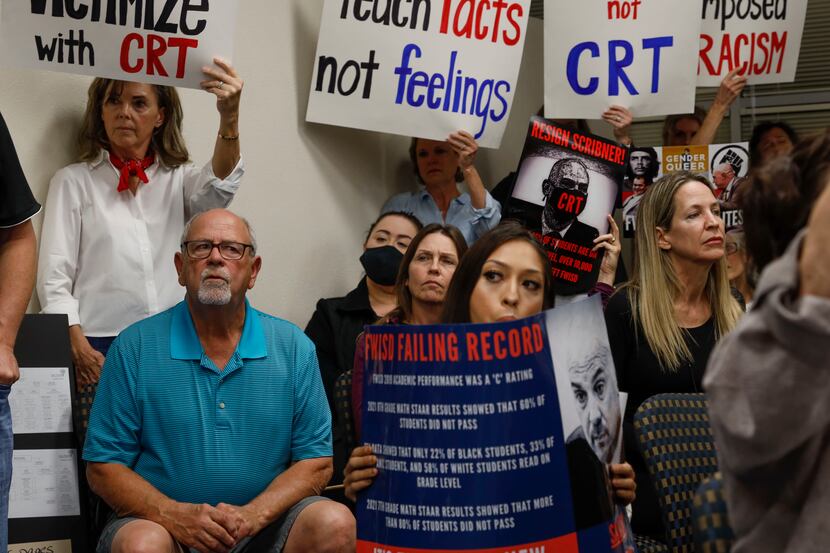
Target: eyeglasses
pixel 568 184
pixel 731 247
pixel 201 249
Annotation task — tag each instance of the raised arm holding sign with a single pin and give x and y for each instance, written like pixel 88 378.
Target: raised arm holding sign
pixel 114 217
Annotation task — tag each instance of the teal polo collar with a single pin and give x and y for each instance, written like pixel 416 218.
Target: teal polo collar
pixel 184 343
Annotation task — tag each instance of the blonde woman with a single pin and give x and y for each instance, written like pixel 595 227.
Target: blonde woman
pixel 113 220
pixel 664 322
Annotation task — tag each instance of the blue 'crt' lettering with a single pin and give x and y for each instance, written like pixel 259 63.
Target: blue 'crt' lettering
pixel 573 68
pixel 620 56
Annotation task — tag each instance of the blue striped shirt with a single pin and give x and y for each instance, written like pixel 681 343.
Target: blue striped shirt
pixel 472 222
pixel 201 435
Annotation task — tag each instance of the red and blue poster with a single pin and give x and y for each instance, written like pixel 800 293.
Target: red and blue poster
pixel 567 184
pixel 474 451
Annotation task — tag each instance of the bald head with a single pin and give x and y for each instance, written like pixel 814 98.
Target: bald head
pixel 251 238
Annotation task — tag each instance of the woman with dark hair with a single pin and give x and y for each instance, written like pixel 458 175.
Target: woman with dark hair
pixel 663 323
pixel 771 139
pixel 113 220
pixel 337 322
pixel 778 202
pixel 424 276
pixel 475 292
pixel 438 167
pixel 421 285
pixel 767 381
pixel 504 276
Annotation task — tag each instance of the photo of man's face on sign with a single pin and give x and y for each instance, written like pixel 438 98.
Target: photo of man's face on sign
pixel 566 186
pixel 586 381
pixel 574 193
pixel 566 195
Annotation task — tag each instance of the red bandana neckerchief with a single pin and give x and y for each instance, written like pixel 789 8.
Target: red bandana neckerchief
pixel 132 167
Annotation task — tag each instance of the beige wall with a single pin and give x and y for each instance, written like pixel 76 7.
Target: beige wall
pixel 310 190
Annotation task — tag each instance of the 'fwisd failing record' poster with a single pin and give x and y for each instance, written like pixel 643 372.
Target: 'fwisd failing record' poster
pixel 492 438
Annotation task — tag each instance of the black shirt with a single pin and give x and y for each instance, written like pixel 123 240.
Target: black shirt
pixel 17 204
pixel 641 375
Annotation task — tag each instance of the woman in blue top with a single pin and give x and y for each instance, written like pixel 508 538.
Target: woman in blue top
pixel 438 166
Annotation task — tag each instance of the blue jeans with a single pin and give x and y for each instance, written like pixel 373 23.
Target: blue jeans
pixel 101 343
pixel 6 451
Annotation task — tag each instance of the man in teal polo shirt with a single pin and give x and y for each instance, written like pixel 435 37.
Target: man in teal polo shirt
pixel 210 429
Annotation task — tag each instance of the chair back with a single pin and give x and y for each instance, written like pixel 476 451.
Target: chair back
pixel 712 531
pixel 676 441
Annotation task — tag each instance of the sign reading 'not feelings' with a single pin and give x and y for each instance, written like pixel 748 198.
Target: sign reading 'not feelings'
pixel 639 54
pixel 155 41
pixel 420 68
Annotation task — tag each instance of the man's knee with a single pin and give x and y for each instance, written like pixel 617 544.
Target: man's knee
pixel 329 525
pixel 143 536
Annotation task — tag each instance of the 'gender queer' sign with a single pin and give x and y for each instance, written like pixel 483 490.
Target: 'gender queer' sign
pixel 420 68
pixel 163 41
pixel 640 54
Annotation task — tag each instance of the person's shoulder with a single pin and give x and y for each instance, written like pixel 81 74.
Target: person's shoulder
pixel 154 324
pixel 619 303
pixel 401 201
pixel 71 172
pixel 276 328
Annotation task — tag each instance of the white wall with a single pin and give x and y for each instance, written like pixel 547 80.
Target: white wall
pixel 310 190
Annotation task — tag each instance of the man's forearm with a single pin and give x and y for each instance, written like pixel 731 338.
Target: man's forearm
pixel 127 493
pixel 303 479
pixel 18 265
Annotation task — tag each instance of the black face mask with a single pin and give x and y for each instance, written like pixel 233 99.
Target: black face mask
pixel 381 264
pixel 564 205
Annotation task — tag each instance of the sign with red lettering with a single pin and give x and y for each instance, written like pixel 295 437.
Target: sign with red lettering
pixel 566 185
pixel 154 41
pixel 726 166
pixel 493 438
pixel 419 67
pixel 762 37
pixel 639 54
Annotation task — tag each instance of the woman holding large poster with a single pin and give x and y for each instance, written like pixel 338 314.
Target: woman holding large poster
pixel 663 324
pixel 113 220
pixel 504 276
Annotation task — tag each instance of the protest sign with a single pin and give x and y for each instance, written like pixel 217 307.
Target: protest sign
pixel 154 41
pixel 419 68
pixel 725 165
pixel 762 37
pixel 639 54
pixel 567 184
pixel 467 426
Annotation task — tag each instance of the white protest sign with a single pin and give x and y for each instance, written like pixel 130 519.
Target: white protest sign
pixel 639 54
pixel 761 36
pixel 419 68
pixel 154 41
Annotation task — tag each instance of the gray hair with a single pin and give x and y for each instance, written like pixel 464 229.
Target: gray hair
pixel 247 224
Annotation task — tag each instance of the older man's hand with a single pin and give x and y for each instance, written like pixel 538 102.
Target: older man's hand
pixel 202 527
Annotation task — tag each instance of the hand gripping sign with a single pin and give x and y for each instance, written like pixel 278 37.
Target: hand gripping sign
pixel 155 41
pixel 421 68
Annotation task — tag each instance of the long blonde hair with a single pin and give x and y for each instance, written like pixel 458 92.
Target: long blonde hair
pixel 167 143
pixel 655 285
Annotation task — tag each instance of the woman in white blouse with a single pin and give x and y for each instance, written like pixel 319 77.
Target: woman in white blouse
pixel 113 220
